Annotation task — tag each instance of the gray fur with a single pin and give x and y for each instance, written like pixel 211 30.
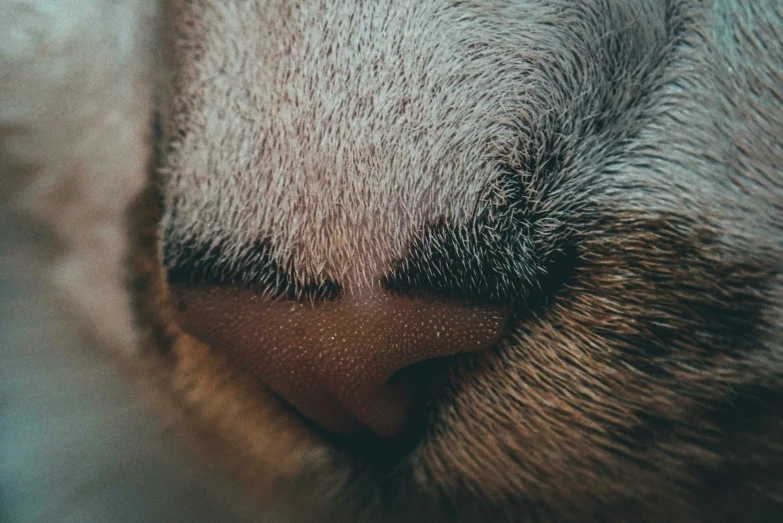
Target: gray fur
pixel 635 143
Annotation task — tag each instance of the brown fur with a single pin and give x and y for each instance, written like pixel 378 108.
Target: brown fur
pixel 632 148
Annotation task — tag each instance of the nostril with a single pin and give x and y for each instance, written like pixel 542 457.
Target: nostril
pixel 351 364
pixel 414 386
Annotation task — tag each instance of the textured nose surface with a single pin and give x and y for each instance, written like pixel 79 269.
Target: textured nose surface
pixel 332 360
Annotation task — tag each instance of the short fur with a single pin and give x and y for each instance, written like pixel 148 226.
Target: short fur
pixel 611 168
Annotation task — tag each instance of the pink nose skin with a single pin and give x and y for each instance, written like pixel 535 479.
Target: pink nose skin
pixel 332 360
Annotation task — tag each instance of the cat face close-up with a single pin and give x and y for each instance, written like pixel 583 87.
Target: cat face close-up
pixel 394 261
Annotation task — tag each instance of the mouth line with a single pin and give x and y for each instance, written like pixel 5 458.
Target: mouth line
pixel 367 450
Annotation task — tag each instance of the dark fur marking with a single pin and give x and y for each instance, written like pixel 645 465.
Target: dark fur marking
pixel 710 305
pixel 256 269
pixel 502 256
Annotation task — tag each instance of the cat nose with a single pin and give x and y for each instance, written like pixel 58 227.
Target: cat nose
pixel 334 361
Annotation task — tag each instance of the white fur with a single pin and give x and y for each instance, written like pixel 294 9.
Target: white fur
pixel 339 129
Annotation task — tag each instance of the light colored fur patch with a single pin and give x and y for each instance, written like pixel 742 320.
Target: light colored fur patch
pixel 339 130
pixel 75 82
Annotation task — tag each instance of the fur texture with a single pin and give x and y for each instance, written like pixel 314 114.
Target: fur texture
pixel 611 168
